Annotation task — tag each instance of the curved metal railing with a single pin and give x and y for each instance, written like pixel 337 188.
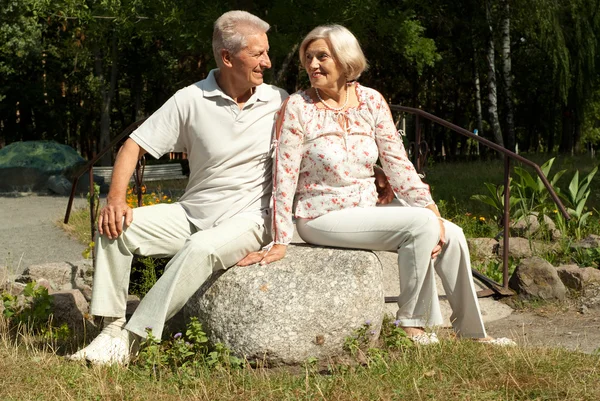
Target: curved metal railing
pixel 508 155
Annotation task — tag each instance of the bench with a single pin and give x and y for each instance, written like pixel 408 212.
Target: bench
pixel 152 172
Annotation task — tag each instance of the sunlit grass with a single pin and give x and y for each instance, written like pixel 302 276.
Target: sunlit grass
pixel 454 370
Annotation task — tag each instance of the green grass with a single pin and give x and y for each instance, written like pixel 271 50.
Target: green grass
pixel 455 370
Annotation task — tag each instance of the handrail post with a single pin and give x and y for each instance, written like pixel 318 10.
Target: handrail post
pixel 506 221
pixel 92 212
pixel 416 155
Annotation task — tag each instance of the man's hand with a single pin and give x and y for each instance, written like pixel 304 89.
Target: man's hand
pixel 264 257
pixel 110 220
pixel 385 193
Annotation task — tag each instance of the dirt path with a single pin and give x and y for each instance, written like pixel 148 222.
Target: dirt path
pixel 552 325
pixel 29 233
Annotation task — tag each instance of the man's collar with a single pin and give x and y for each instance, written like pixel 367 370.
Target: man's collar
pixel 211 88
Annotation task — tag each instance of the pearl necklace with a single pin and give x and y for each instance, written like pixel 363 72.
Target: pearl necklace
pixel 328 106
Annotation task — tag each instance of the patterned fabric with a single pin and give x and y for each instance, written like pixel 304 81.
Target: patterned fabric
pixel 325 158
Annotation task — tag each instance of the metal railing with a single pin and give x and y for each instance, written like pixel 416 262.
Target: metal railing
pixel 89 168
pixel 501 289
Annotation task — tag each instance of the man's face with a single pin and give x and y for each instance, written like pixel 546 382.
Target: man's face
pixel 249 64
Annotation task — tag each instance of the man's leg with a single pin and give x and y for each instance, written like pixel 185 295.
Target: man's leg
pixel 203 253
pixel 159 230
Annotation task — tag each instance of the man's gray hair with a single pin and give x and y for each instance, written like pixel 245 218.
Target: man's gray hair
pixel 231 30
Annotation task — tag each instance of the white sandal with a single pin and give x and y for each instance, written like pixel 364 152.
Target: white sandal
pixel 425 339
pixel 501 342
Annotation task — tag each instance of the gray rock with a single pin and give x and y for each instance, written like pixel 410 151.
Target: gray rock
pixel 520 248
pixel 483 248
pixel 71 307
pixel 536 278
pixel 59 185
pixel 591 241
pixel 62 275
pixel 530 225
pixel 303 306
pixel 577 278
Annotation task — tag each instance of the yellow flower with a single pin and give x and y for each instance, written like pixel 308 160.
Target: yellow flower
pixel 165 197
pixel 482 218
pixel 555 211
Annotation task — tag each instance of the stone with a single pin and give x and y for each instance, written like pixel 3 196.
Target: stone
pixel 536 278
pixel 520 248
pixel 71 307
pixel 483 248
pixel 59 184
pixel 530 225
pixel 62 275
pixel 591 241
pixel 577 278
pixel 526 226
pixel 303 306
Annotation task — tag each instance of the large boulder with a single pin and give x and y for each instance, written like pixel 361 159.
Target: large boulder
pixel 303 306
pixel 27 166
pixel 536 278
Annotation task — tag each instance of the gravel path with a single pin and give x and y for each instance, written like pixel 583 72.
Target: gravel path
pixel 29 233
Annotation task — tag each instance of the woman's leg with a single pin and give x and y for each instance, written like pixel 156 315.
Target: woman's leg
pixel 411 232
pixel 453 265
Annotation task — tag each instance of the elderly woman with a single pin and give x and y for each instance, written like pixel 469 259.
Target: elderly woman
pixel 329 139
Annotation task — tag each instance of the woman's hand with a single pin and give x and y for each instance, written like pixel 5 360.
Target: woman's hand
pixel 385 193
pixel 438 248
pixel 264 257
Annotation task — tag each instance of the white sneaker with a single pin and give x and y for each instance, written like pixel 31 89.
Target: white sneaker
pixel 112 345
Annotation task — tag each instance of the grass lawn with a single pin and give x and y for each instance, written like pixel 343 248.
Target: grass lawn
pixel 453 370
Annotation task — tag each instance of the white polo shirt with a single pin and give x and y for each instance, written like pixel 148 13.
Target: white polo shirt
pixel 228 148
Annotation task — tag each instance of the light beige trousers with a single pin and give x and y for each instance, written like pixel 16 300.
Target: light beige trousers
pixel 164 231
pixel 413 233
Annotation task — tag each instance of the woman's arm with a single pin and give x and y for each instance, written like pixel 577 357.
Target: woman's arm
pixel 399 169
pixel 286 166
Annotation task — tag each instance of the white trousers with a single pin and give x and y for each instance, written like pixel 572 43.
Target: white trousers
pixel 413 233
pixel 164 231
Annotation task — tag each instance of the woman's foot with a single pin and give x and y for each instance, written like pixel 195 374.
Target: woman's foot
pixel 420 337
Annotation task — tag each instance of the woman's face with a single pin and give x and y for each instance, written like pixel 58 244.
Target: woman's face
pixel 323 70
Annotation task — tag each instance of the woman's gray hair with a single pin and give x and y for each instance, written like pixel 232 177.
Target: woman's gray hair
pixel 231 30
pixel 346 50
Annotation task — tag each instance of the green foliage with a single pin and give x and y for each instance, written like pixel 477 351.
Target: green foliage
pixel 392 336
pixel 31 312
pixel 47 156
pixel 494 269
pixel 145 271
pixel 576 198
pixel 529 196
pixel 360 339
pixel 185 354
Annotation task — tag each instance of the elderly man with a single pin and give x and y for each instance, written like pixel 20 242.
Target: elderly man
pixel 224 123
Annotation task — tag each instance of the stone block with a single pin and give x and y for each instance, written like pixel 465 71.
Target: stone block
pixel 303 306
pixel 536 278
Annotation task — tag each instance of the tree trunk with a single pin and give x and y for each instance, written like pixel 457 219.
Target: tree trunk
pixel 510 139
pixel 107 91
pixel 492 92
pixel 477 97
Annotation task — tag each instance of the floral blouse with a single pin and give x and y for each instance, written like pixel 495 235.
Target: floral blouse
pixel 325 158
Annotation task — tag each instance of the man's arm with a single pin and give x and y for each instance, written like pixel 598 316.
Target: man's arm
pixel 111 215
